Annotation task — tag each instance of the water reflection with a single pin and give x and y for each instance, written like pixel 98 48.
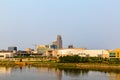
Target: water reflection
pixel 114 76
pixel 46 73
pixel 75 72
pixel 54 71
pixel 5 70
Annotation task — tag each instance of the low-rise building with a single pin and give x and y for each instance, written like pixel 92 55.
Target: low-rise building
pixel 51 53
pixel 78 51
pixel 63 52
pixel 73 51
pixel 6 54
pixel 114 53
pixel 29 50
pixel 41 49
pixel 117 53
pixel 93 53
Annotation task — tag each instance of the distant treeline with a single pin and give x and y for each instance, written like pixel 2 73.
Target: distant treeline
pixel 78 59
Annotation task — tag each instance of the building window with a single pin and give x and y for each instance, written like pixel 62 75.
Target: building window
pixel 117 54
pixel 112 55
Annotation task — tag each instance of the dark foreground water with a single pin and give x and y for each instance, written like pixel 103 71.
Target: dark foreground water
pixel 43 73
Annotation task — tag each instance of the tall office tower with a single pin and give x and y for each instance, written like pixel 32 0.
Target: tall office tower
pixel 59 41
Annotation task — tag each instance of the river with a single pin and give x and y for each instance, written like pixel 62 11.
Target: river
pixel 45 73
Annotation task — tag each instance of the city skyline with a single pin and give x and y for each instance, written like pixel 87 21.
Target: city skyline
pixel 90 24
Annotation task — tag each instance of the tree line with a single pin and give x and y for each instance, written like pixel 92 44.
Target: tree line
pixel 78 59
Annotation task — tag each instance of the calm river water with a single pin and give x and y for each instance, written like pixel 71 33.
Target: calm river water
pixel 44 73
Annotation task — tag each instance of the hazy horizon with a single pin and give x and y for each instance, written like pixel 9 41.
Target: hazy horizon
pixel 93 24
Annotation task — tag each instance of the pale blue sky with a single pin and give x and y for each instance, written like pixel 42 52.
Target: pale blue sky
pixel 94 24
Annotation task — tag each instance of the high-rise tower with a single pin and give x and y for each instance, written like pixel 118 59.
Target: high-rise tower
pixel 59 41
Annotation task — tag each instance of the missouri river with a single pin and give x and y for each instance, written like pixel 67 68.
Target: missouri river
pixel 45 73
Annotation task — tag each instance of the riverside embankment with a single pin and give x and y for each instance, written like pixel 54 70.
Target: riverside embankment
pixel 91 66
pixel 46 63
pixel 87 66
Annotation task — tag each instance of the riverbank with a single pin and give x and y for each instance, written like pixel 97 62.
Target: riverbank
pixel 92 66
pixel 84 66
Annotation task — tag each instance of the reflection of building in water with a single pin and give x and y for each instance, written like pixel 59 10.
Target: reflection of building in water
pixel 59 74
pixel 114 76
pixel 56 72
pixel 5 70
pixel 75 72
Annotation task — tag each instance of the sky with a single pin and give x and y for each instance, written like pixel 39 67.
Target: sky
pixel 93 24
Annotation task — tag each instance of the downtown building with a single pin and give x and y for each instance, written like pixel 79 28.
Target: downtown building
pixel 82 52
pixel 59 42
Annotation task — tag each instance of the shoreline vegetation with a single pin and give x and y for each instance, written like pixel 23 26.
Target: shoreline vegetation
pixel 75 62
pixel 89 66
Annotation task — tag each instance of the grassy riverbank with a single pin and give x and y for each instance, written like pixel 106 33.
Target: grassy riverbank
pixel 7 63
pixel 86 66
pixel 92 66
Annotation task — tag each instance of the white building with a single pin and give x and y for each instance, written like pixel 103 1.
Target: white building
pixel 93 53
pixel 73 51
pixel 6 54
pixel 83 52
